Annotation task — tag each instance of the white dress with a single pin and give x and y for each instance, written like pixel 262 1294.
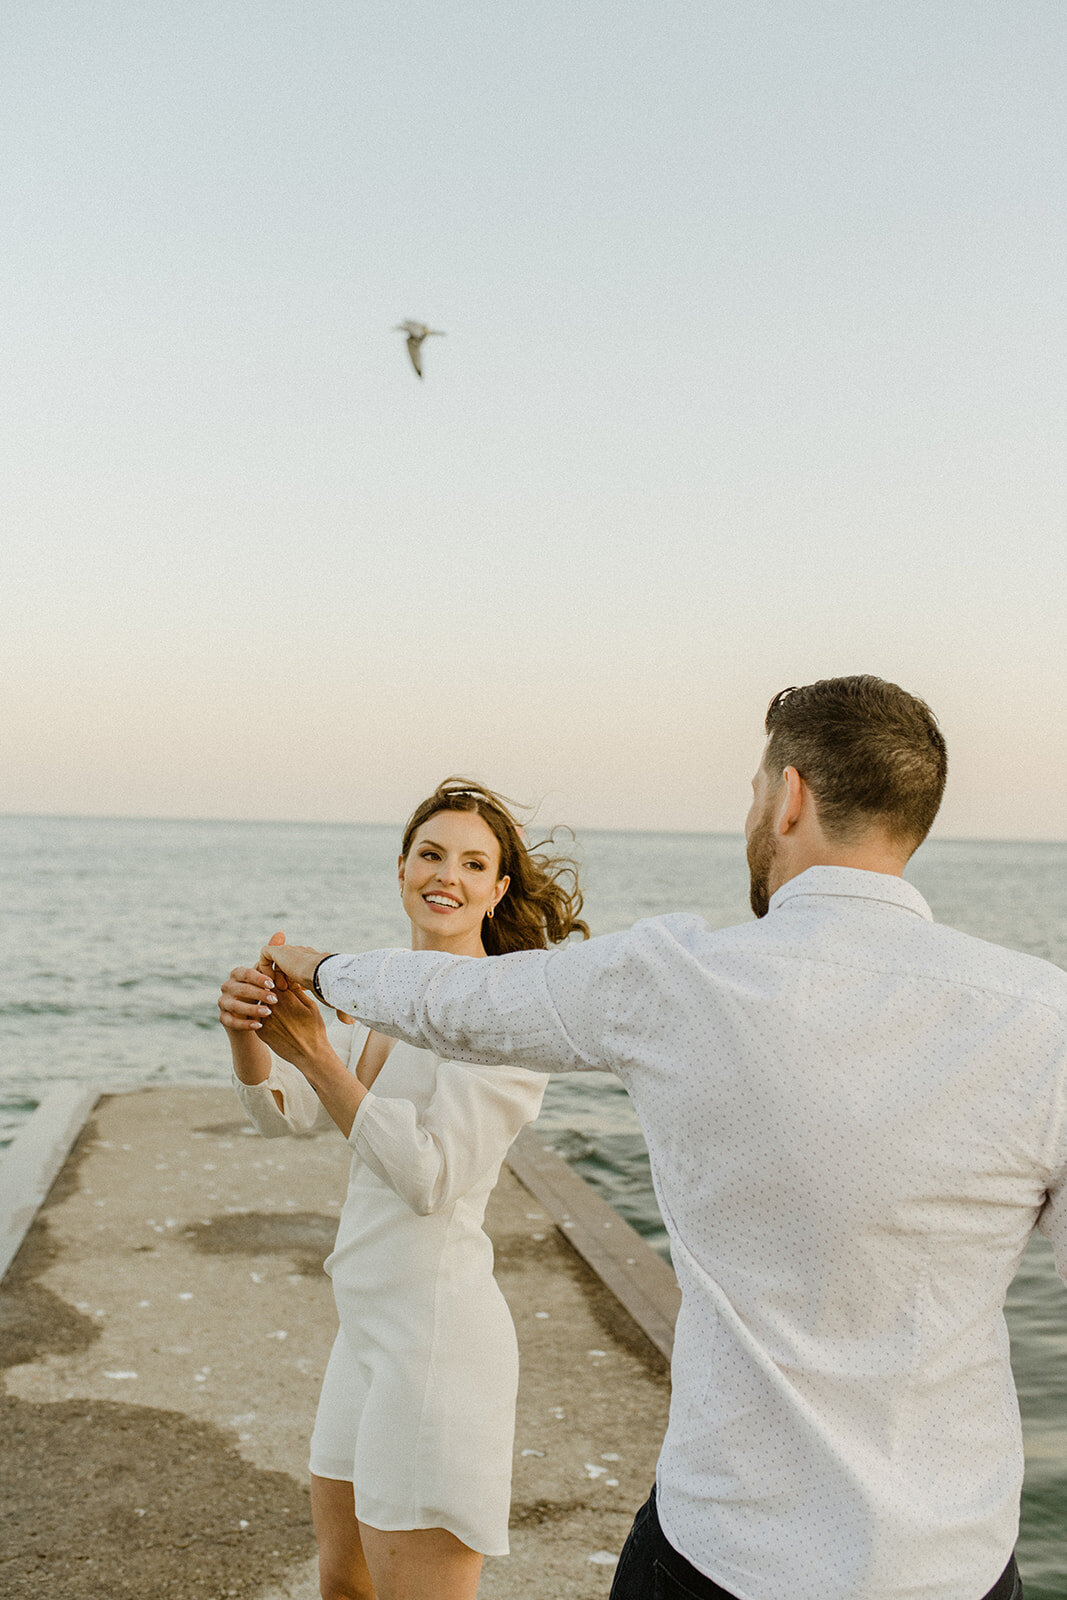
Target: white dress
pixel 417 1408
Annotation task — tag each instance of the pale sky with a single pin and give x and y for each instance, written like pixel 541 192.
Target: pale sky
pixel 754 372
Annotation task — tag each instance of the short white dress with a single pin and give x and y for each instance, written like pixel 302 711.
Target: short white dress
pixel 417 1408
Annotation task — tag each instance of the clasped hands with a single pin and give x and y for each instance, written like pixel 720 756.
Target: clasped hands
pixel 270 999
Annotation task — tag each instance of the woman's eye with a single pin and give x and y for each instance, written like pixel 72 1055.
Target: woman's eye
pixel 477 866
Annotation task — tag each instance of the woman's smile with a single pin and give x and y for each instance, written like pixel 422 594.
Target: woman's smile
pixel 442 902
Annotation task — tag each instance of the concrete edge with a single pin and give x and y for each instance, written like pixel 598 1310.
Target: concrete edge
pixel 625 1263
pixel 32 1161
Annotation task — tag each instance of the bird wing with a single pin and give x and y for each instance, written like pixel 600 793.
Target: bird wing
pixel 414 345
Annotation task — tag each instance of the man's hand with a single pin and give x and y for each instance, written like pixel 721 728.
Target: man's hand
pixel 296 961
pixel 292 964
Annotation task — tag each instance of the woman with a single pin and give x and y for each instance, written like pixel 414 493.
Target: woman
pixel 411 1449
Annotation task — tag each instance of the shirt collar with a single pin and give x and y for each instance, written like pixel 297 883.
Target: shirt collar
pixel 851 883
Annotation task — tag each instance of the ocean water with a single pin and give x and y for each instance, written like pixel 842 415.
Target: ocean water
pixel 115 934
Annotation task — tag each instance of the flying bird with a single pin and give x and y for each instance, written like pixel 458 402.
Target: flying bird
pixel 417 332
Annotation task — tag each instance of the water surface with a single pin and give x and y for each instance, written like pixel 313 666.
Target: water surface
pixel 116 935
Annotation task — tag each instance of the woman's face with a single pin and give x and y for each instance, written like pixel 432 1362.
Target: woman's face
pixel 449 880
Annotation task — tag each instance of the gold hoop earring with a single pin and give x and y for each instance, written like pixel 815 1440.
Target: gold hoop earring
pixel 489 913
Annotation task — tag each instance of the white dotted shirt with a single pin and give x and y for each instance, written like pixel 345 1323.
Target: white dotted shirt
pixel 855 1119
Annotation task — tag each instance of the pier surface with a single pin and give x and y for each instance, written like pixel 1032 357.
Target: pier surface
pixel 163 1332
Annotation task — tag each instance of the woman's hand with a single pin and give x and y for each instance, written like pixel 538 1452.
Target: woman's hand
pixel 246 999
pixel 295 1029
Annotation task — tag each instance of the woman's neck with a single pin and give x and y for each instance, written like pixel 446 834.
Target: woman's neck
pixel 471 945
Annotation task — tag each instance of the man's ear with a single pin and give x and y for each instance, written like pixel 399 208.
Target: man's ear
pixel 790 802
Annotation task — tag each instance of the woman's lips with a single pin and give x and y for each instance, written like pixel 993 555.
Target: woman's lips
pixel 442 903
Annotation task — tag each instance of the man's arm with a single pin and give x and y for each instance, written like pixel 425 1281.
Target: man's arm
pixel 546 1010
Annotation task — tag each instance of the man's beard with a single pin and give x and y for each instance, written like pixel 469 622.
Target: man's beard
pixel 761 854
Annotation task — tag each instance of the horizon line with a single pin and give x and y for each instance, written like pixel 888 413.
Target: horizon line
pixel 306 822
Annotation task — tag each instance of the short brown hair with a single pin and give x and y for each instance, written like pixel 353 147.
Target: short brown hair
pixel 869 751
pixel 543 902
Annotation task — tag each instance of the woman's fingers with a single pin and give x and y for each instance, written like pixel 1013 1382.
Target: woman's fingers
pixel 232 1018
pixel 234 1006
pixel 247 996
pixel 259 976
pixel 240 991
pixel 248 991
pixel 243 1008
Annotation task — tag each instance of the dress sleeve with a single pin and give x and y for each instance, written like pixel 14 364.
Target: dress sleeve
pixel 301 1112
pixel 463 1135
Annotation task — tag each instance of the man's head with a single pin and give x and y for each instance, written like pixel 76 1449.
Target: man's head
pixel 852 775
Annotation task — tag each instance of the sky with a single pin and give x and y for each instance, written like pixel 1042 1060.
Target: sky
pixel 753 373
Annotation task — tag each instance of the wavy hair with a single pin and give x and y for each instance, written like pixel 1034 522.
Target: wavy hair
pixel 543 902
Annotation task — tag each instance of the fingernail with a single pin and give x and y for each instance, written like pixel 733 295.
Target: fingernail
pixel 257 1024
pixel 269 982
pixel 264 1011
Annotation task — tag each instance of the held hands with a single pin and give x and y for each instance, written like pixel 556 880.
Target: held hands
pixel 294 961
pixel 251 995
pixel 288 964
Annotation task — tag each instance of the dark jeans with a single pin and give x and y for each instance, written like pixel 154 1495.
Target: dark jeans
pixel 651 1569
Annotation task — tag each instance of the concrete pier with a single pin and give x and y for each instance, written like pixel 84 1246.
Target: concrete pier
pixel 163 1332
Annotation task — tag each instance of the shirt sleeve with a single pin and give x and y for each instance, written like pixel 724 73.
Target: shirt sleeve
pixel 462 1136
pixel 544 1010
pixel 1052 1222
pixel 301 1112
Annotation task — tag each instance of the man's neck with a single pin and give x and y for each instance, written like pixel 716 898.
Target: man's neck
pixel 864 856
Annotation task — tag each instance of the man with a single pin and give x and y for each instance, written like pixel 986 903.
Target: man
pixel 855 1118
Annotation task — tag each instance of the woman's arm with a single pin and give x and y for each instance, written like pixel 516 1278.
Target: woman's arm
pixel 275 1096
pixel 296 1032
pixel 429 1160
pixel 433 1159
pixel 244 1003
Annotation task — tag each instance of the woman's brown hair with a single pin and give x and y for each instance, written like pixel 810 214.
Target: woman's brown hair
pixel 543 900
